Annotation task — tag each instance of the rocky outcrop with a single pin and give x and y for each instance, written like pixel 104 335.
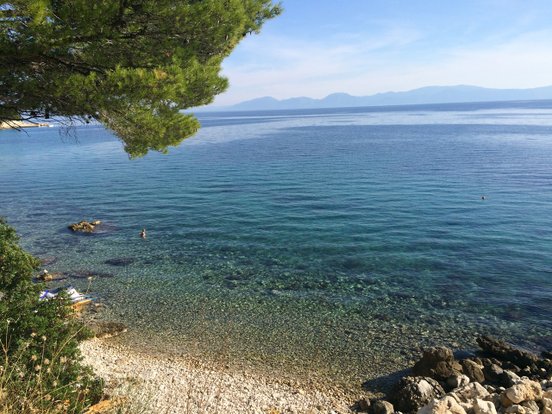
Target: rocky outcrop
pixel 438 363
pixel 503 379
pixel 84 226
pixel 505 352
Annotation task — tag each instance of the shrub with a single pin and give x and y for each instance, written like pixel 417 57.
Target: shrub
pixel 41 369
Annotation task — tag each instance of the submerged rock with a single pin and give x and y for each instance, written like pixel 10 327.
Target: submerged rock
pixel 85 274
pixel 506 352
pixel 48 260
pixel 106 329
pixel 120 261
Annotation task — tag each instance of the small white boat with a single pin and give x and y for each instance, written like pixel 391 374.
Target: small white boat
pixel 78 300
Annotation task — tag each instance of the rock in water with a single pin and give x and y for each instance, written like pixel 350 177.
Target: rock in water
pixel 46 276
pixel 506 352
pixel 103 329
pixel 84 226
pixel 120 261
pixel 438 363
pixel 46 261
pixel 411 393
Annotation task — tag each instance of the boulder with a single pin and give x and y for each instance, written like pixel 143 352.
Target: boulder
pixel 84 226
pixel 383 407
pixel 457 381
pixel 495 399
pixel 508 378
pixel 515 409
pixel 506 352
pixel 483 407
pixel 470 392
pixel 546 406
pixel 505 401
pixel 493 373
pixel 363 405
pixel 473 370
pixel 437 363
pixel 526 390
pixel 411 393
pixel 446 405
pixel 531 407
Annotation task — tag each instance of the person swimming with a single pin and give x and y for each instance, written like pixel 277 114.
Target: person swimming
pixel 143 233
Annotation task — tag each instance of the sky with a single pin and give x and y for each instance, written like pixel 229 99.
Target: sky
pixel 362 47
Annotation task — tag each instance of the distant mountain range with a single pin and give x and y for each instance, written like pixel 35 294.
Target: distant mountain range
pixel 426 95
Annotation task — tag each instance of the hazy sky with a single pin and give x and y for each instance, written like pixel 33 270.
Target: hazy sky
pixel 317 47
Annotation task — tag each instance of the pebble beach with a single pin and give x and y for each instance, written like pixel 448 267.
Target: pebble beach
pixel 166 384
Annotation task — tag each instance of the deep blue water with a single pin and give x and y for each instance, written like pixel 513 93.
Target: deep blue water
pixel 328 241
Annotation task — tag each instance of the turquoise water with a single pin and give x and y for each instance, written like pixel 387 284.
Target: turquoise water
pixel 326 244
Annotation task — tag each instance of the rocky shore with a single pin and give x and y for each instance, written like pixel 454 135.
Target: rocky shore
pixel 498 379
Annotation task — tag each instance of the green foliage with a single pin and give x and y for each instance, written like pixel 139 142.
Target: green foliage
pixel 41 360
pixel 133 65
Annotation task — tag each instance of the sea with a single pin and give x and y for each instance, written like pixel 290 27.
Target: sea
pixel 326 246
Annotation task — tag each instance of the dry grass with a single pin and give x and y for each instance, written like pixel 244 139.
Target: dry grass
pixel 32 384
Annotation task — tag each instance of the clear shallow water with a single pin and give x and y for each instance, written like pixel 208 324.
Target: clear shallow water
pixel 323 244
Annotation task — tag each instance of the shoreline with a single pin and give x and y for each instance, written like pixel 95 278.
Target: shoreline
pixel 164 383
pixel 499 378
pixel 22 124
